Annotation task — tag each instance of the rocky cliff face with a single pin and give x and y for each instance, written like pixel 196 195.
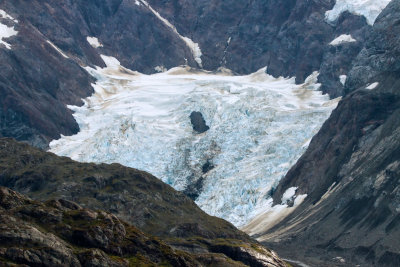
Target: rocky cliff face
pixel 351 170
pixel 137 197
pixel 42 71
pixel 291 38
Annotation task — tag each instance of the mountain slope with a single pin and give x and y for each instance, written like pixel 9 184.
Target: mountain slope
pixel 42 73
pixel 351 169
pixel 291 38
pixel 61 233
pixel 135 196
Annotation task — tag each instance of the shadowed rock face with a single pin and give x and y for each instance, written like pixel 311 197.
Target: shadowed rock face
pixel 291 38
pixel 198 122
pixel 37 81
pixel 61 233
pixel 351 169
pixel 135 196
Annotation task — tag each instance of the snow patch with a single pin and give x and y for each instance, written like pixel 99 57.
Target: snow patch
pixel 370 9
pixel 372 86
pixel 4 15
pixel 57 49
pixel 137 2
pixel 194 47
pixel 344 38
pixel 6 32
pixel 94 42
pixel 289 194
pixel 111 62
pixel 270 216
pixel 258 128
pixel 343 79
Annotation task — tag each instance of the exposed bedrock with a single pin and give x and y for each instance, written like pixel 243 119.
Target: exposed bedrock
pixel 291 37
pixel 59 232
pixel 42 73
pixel 40 78
pixel 351 169
pixel 198 122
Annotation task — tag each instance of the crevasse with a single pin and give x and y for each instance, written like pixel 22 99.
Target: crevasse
pixel 259 127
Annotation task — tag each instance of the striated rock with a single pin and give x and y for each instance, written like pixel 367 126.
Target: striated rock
pixel 351 169
pixel 291 37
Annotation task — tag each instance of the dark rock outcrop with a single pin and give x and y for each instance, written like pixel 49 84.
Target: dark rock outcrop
pixel 53 234
pixel 198 122
pixel 135 196
pixel 351 169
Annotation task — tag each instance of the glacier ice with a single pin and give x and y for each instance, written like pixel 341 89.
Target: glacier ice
pixel 370 9
pixel 259 127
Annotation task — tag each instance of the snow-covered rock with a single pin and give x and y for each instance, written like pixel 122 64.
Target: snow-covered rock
pixel 344 38
pixel 370 9
pixel 343 79
pixel 94 42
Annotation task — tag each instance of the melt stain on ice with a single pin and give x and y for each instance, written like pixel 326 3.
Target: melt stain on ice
pixel 6 31
pixel 259 127
pixel 194 47
pixel 370 9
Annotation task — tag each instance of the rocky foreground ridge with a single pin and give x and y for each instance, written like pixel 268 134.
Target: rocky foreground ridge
pixel 186 236
pixel 351 170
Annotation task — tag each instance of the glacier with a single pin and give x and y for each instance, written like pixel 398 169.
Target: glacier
pixel 370 9
pixel 259 127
